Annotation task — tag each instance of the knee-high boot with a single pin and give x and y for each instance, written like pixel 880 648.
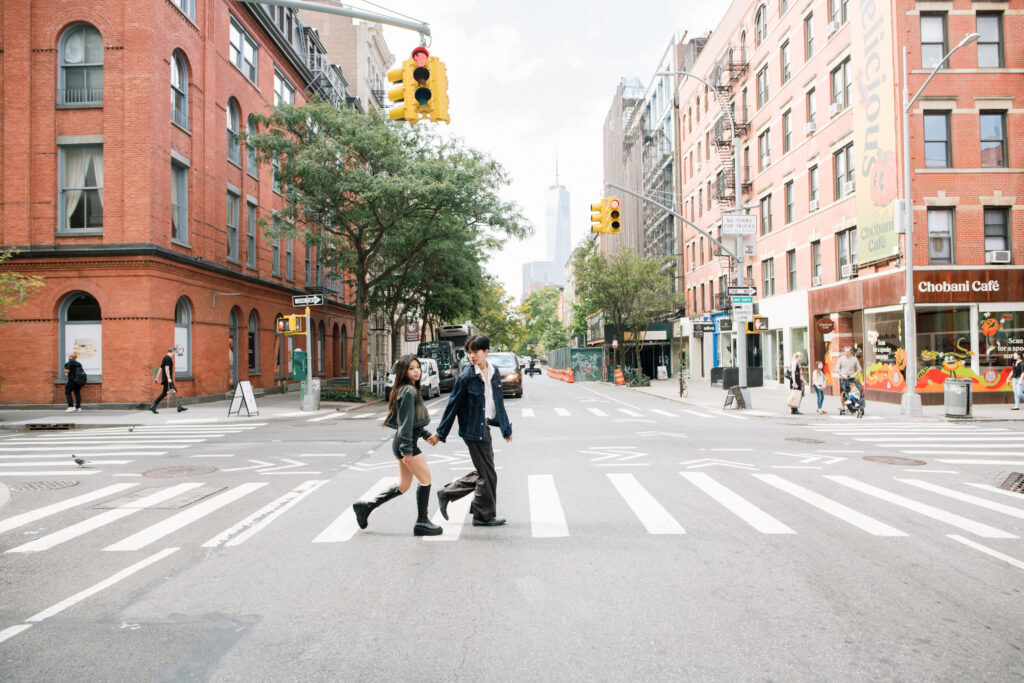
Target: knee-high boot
pixel 363 508
pixel 424 527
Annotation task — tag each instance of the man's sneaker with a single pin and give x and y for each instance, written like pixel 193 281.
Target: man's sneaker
pixel 69 410
pixel 78 410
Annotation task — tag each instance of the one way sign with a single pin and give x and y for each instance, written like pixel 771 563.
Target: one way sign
pixel 308 300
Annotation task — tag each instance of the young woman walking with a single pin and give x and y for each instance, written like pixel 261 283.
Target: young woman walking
pixel 1017 379
pixel 818 382
pixel 408 416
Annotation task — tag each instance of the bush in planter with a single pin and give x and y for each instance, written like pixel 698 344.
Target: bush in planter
pixel 331 394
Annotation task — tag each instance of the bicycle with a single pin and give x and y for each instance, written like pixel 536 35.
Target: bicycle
pixel 684 390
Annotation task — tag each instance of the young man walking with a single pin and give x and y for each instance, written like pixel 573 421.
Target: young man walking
pixel 166 379
pixel 477 402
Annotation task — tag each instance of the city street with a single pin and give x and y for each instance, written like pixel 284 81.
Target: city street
pixel 647 539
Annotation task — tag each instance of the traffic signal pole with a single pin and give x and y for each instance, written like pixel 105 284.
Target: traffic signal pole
pixel 420 27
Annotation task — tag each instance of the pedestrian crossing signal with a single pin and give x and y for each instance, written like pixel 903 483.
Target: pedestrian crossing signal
pixel 758 325
pixel 291 324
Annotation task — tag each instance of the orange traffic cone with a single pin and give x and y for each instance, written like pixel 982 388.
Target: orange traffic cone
pixel 619 379
pixel 569 377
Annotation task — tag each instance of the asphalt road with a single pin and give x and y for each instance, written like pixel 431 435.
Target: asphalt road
pixel 647 540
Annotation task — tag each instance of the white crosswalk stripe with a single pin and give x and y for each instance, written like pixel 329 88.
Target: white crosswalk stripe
pixel 695 413
pixel 836 509
pixel 43 512
pixel 654 517
pixel 345 526
pixel 562 412
pixel 528 412
pixel 663 412
pixel 739 506
pixel 598 412
pixel 547 520
pixel 259 520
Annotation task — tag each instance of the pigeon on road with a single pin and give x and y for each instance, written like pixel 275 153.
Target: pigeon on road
pixel 78 461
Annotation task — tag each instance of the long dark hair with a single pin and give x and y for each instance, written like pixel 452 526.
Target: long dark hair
pixel 401 379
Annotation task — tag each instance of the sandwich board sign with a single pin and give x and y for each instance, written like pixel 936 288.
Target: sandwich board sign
pixel 243 397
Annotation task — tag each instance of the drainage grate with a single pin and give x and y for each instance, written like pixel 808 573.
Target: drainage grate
pixel 184 471
pixel 894 460
pixel 49 426
pixel 1013 482
pixel 28 486
pixel 804 439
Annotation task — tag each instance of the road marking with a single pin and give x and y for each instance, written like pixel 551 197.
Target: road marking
pixel 724 414
pixel 190 420
pixel 546 517
pixel 80 449
pixel 182 519
pixel 996 489
pixel 68 454
pixel 965 497
pixel 837 510
pixel 741 507
pixel 63 473
pixel 322 455
pixel 695 413
pixel 654 517
pixel 976 528
pixel 527 412
pixel 562 412
pixel 433 411
pixel 711 462
pixel 328 416
pixel 262 518
pixel 1013 562
pixel 367 415
pixel 731 449
pixel 344 527
pixel 910 440
pixel 58 463
pixel 605 396
pixel 34 515
pixel 920 471
pixel 631 413
pixel 457 511
pixel 663 412
pixel 598 412
pixel 102 519
pixel 211 455
pixel 968 461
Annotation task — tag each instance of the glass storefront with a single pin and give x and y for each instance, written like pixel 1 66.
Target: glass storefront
pixel 943 346
pixel 885 359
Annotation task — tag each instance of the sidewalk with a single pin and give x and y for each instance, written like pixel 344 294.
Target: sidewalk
pixel 770 401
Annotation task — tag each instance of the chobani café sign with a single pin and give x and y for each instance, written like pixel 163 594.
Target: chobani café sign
pixel 966 286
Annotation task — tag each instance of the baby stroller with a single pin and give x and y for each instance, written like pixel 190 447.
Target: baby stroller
pixel 851 398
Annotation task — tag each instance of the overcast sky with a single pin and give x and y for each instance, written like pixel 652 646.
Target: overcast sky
pixel 530 78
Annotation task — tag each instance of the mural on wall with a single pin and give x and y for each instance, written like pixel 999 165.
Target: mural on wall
pixel 951 363
pixel 586 364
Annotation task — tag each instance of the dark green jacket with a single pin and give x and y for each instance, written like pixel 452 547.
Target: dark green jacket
pixel 409 417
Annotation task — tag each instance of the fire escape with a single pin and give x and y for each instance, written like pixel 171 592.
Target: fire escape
pixel 724 75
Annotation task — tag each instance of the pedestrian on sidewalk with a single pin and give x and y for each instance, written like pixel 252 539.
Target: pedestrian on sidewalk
pixel 408 416
pixel 818 382
pixel 477 401
pixel 76 380
pixel 1017 379
pixel 796 384
pixel 166 378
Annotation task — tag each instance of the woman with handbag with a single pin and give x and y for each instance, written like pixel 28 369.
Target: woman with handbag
pixel 796 385
pixel 408 416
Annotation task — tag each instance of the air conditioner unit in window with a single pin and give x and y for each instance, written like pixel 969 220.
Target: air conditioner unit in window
pixel 809 128
pixel 813 206
pixel 849 270
pixel 835 108
pixel 832 27
pixel 815 281
pixel 998 257
pixel 848 187
pixel 766 161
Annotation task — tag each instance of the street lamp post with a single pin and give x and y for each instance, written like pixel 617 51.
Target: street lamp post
pixel 911 404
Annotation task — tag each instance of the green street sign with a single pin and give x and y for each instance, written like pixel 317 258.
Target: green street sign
pixel 743 299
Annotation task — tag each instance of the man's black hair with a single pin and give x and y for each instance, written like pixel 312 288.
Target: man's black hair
pixel 478 342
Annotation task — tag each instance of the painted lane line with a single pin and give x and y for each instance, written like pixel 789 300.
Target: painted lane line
pixel 965 497
pixel 605 396
pixel 41 456
pixel 92 441
pixel 367 415
pixel 663 412
pixel 836 509
pixel 996 489
pixel 969 461
pixel 323 455
pixel 1013 562
pixel 344 527
pixel 598 412
pixel 182 519
pixel 34 515
pixel 547 520
pixel 102 519
pixel 527 412
pixel 80 449
pixel 696 414
pixel 735 450
pixel 821 451
pixel 191 420
pixel 969 525
pixel 457 511
pixel 54 473
pixel 433 411
pixel 920 471
pixel 328 416
pixel 741 507
pixel 724 414
pixel 58 463
pixel 214 455
pixel 562 412
pixel 262 518
pixel 630 413
pixel 649 511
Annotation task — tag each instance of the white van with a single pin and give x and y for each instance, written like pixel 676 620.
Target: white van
pixel 430 380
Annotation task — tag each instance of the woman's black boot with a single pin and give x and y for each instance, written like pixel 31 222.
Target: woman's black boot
pixel 363 508
pixel 424 527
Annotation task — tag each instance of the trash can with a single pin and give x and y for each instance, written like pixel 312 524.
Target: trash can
pixel 956 397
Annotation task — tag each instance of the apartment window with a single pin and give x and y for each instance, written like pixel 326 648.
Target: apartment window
pixel 699 155
pixel 816 260
pixel 711 294
pixel 179 91
pixel 787 130
pixel 993 139
pixel 785 61
pixel 764 151
pixel 232 226
pixel 842 169
pixel 250 234
pixel 251 165
pixel 253 338
pixel 308 262
pixel 838 11
pixel 788 196
pixel 700 202
pixel 940 236
pixel 81 188
pixel 275 253
pixel 762 87
pixel 997 233
pixel 234 153
pixel 709 195
pixel 766 214
pixel 791 270
pixel 938 148
pixel 990 41
pixel 707 146
pixel 783 6
pixel 811 106
pixel 750 275
pixel 179 203
pixel 276 168
pixel 289 271
pixel 842 84
pixel 702 251
pixel 244 51
pixel 768 277
pixel 81 66
pixel 284 92
pixel 846 251
pixel 188 7
pixel 703 301
pixel 809 36
pixel 933 39
pixel 746 162
pixel 812 187
pixel 760 25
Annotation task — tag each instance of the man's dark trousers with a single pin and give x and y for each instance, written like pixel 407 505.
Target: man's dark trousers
pixel 483 483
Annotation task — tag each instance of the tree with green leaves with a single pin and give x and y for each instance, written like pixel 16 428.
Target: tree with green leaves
pixel 542 331
pixel 359 188
pixel 495 316
pixel 14 287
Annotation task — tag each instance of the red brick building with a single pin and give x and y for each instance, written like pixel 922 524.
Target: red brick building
pixel 122 184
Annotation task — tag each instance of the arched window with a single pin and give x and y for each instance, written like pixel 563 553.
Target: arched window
pixel 233 346
pixel 344 333
pixel 183 338
pixel 253 339
pixel 278 351
pixel 81 66
pixel 234 154
pixel 320 350
pixel 760 25
pixel 743 47
pixel 250 153
pixel 179 90
pixel 81 332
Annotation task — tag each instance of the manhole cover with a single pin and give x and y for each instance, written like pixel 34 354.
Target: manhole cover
pixel 34 426
pixel 894 460
pixel 27 486
pixel 1013 482
pixel 184 471
pixel 804 439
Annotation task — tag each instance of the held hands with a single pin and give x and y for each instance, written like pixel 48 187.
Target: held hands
pixel 433 439
pixel 508 438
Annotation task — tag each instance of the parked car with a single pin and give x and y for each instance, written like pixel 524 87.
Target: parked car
pixel 430 379
pixel 444 354
pixel 510 369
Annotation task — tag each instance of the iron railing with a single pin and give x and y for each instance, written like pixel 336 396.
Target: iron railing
pixel 80 96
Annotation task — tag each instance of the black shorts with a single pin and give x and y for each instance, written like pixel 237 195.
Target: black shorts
pixel 398 454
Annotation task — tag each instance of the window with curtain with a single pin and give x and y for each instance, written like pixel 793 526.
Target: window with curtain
pixel 81 66
pixel 179 203
pixel 253 339
pixel 234 153
pixel 81 187
pixel 179 91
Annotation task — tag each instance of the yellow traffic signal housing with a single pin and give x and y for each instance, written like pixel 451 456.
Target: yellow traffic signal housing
pixel 291 324
pixel 422 89
pixel 760 324
pixel 612 215
pixel 404 93
pixel 597 217
pixel 439 90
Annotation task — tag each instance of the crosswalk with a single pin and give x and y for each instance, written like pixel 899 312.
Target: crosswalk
pixel 52 453
pixel 948 443
pixel 621 414
pixel 126 517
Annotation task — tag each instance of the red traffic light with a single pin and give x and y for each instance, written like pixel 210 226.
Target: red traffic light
pixel 613 204
pixel 420 55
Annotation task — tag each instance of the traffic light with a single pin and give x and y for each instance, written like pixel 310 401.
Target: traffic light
pixel 606 216
pixel 404 93
pixel 612 223
pixel 422 89
pixel 597 223
pixel 291 324
pixel 439 91
pixel 760 324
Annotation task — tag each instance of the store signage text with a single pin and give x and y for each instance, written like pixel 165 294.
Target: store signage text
pixel 965 286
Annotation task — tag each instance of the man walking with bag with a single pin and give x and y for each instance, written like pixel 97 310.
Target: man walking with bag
pixel 476 400
pixel 76 380
pixel 166 378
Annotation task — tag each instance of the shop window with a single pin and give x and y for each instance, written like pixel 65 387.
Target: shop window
pixel 81 188
pixel 81 67
pixel 1001 334
pixel 938 147
pixel 940 236
pixel 883 340
pixel 182 338
pixel 943 342
pixel 990 41
pixel 81 332
pixel 254 341
pixel 993 139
